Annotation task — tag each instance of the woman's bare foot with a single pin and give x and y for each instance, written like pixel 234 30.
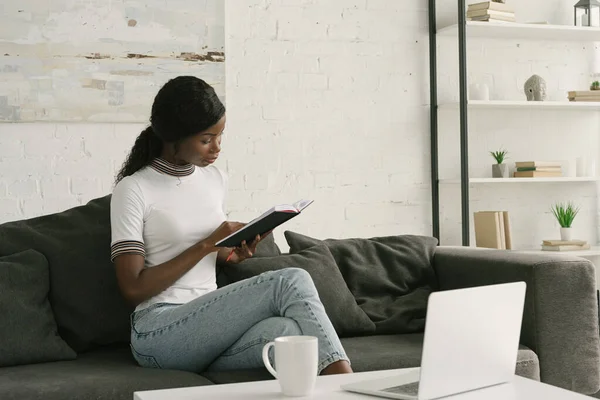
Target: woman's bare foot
pixel 338 367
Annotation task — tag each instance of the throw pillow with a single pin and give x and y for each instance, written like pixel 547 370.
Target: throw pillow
pixel 347 318
pixel 267 247
pixel 391 277
pixel 28 332
pixel 88 307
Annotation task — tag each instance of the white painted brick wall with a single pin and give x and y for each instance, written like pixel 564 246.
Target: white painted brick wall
pixel 317 107
pixel 312 102
pixel 327 99
pixel 46 168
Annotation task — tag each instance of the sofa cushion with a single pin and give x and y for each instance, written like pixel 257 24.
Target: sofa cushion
pixel 28 332
pixel 88 307
pixel 372 353
pixel 345 315
pixel 391 277
pixel 99 374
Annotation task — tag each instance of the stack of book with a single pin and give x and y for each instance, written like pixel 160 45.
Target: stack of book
pixel 492 230
pixel 538 169
pixel 584 95
pixel 564 245
pixel 490 11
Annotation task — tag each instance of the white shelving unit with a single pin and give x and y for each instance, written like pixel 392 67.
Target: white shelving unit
pixel 521 180
pixel 526 32
pixel 526 105
pixel 506 31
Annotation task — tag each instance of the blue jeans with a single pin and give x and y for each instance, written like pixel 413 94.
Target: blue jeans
pixel 227 328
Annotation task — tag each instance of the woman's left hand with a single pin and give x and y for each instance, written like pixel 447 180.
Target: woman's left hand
pixel 245 251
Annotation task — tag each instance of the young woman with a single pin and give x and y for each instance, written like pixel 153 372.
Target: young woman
pixel 167 213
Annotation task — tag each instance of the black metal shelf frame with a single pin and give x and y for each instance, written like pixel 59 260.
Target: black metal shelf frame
pixel 464 132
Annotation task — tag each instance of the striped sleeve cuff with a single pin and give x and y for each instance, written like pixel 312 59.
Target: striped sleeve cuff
pixel 127 247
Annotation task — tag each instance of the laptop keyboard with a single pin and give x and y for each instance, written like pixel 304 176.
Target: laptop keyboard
pixel 411 389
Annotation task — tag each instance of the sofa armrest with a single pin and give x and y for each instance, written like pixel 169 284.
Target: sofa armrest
pixel 560 318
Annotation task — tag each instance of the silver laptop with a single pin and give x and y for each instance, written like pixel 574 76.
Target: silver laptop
pixel 471 342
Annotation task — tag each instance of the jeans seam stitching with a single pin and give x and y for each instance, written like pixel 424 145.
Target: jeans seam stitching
pixel 333 357
pixel 310 310
pixel 152 359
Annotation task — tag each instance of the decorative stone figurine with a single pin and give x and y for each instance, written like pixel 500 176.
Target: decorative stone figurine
pixel 535 88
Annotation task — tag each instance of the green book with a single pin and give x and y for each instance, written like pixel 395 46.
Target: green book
pixel 526 169
pixel 542 169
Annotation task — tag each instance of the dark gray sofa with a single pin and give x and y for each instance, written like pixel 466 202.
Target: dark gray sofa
pixel 559 341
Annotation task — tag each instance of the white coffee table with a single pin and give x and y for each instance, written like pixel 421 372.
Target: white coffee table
pixel 328 387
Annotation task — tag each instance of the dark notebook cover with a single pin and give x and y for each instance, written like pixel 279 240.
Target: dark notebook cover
pixel 263 224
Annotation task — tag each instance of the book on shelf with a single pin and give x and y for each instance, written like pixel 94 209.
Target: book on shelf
pixel 538 164
pixel 539 169
pixel 565 245
pixel 537 174
pixel 492 18
pixel 584 95
pixel 492 14
pixel 563 242
pixel 493 230
pixel 266 222
pixel 584 99
pixel 490 5
pixel 490 11
pixel 507 231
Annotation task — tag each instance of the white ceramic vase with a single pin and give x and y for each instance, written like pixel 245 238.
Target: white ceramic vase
pixel 565 233
pixel 479 91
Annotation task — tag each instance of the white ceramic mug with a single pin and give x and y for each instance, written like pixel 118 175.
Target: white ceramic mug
pixel 296 360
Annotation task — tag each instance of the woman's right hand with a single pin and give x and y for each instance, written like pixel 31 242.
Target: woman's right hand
pixel 224 230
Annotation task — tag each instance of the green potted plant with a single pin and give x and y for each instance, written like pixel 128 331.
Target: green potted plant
pixel 499 170
pixel 565 214
pixel 595 85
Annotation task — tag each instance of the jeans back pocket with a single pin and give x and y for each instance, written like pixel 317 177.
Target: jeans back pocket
pixel 144 360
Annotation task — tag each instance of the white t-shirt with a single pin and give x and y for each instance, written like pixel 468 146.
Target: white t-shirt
pixel 161 211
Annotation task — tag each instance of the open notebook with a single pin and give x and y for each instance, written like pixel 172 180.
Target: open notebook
pixel 268 221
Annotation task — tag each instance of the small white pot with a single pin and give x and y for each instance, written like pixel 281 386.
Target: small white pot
pixel 479 91
pixel 565 233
